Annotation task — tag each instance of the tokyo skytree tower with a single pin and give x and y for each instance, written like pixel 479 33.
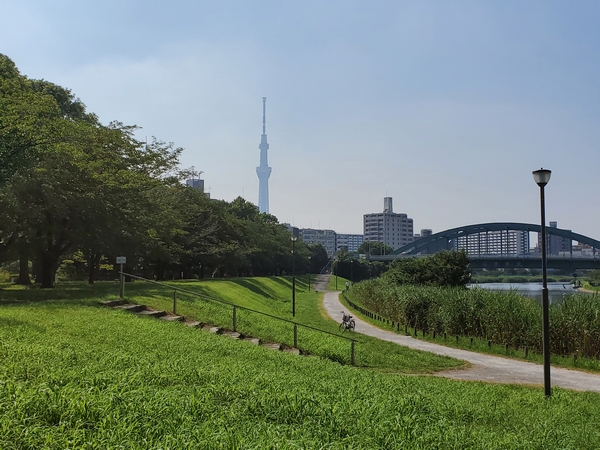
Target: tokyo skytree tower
pixel 263 171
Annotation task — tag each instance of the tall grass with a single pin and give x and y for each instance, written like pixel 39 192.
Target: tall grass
pixel 505 318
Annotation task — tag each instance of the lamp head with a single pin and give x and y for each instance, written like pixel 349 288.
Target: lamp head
pixel 294 238
pixel 542 176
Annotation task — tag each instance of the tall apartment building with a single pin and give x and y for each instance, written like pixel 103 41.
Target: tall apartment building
pixel 555 244
pixel 394 230
pixel 326 238
pixel 502 242
pixel 426 232
pixel 349 242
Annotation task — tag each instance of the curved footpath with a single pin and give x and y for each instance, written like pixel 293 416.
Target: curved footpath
pixel 493 369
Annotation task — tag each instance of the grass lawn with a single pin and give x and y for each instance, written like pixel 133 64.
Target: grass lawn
pixel 76 375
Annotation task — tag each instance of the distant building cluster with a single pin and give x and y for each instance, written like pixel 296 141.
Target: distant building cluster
pixel 394 230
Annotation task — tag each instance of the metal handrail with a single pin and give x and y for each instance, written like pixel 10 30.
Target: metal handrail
pixel 235 306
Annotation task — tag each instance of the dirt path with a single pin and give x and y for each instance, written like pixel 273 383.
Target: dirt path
pixel 488 368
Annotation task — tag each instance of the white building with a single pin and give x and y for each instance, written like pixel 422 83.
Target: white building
pixel 394 230
pixel 502 242
pixel 326 238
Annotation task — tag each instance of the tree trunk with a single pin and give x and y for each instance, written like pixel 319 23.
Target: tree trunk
pixel 23 270
pixel 48 272
pixel 93 259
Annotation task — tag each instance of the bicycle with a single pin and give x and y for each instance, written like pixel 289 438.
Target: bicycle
pixel 347 323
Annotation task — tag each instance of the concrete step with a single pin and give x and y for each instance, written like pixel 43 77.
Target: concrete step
pixel 172 318
pixel 272 346
pixel 254 341
pixel 232 334
pixel 215 330
pixel 112 303
pixel 194 324
pixel 131 307
pixel 152 313
pixel 293 351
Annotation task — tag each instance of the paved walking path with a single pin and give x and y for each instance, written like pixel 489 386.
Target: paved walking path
pixel 488 368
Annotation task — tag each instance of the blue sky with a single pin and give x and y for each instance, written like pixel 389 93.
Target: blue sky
pixel 446 106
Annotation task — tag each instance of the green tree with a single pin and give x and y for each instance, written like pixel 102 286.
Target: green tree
pixel 446 268
pixel 374 248
pixel 31 119
pixel 318 257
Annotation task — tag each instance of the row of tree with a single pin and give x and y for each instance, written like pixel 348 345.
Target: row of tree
pixel 71 187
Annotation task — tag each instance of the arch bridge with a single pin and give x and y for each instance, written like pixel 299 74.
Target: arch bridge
pixel 505 245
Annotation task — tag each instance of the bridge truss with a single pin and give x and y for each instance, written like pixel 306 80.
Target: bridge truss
pixel 455 238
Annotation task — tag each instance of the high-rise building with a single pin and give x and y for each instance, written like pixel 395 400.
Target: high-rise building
pixel 426 232
pixel 197 183
pixel 555 244
pixel 394 230
pixel 263 171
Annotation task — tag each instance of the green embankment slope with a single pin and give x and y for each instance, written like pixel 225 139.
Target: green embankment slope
pixel 75 375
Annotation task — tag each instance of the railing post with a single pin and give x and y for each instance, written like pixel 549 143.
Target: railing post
pixel 174 302
pixel 352 353
pixel 295 336
pixel 234 318
pixel 122 287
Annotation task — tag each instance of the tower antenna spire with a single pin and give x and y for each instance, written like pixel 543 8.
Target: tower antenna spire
pixel 263 171
pixel 264 115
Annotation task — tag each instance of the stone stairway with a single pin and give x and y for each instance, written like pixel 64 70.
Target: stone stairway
pixel 144 311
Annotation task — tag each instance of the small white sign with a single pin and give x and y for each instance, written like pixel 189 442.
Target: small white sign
pixel 121 259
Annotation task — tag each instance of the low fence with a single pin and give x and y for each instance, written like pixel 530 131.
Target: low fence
pixel 234 310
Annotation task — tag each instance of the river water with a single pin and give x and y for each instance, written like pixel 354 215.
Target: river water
pixel 556 291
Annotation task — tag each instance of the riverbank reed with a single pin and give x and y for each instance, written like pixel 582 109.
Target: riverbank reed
pixel 504 318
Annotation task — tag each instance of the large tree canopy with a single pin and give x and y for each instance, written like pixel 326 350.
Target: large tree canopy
pixel 72 188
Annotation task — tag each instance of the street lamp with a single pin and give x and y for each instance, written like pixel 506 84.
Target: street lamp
pixel 309 267
pixel 542 177
pixel 351 271
pixel 294 239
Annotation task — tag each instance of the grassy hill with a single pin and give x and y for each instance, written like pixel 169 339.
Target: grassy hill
pixel 75 375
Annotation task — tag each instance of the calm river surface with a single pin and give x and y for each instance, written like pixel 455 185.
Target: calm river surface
pixel 556 291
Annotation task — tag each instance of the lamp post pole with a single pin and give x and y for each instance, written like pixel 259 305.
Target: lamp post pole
pixel 309 268
pixel 336 269
pixel 352 271
pixel 542 177
pixel 294 238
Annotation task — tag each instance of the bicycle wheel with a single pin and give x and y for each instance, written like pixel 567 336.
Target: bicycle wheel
pixel 342 327
pixel 351 325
